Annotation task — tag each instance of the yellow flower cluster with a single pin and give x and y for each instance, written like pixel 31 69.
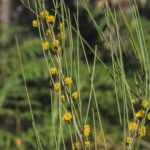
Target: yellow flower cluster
pixel 61 26
pixel 86 130
pixel 57 86
pixel 50 19
pixel 53 70
pixel 56 46
pixel 142 131
pixel 44 13
pixel 135 127
pixel 144 103
pixel 59 50
pixel 148 116
pixel 61 35
pixel 140 114
pixel 68 81
pixel 75 95
pixel 75 146
pixel 56 43
pixel 128 140
pixel 35 23
pixel 45 45
pixel 67 117
pixel 63 98
pixel 133 101
pixel 132 126
pixel 48 32
pixel 87 143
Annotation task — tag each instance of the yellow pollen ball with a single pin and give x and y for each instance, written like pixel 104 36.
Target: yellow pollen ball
pixel 61 35
pixel 75 95
pixel 86 130
pixel 61 26
pixel 44 13
pixel 140 114
pixel 75 146
pixel 56 43
pixel 45 45
pixel 148 116
pixel 132 126
pixel 57 86
pixel 59 50
pixel 63 98
pixel 53 70
pixel 144 103
pixel 67 116
pixel 35 23
pixel 142 131
pixel 50 19
pixel 68 81
pixel 48 32
pixel 133 101
pixel 128 140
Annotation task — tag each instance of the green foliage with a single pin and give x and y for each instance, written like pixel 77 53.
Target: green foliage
pixel 15 114
pixel 13 96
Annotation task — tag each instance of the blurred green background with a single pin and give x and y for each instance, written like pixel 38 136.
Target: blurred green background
pixel 16 124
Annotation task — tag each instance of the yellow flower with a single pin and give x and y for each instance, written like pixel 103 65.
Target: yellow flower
pixel 87 143
pixel 86 130
pixel 50 19
pixel 61 35
pixel 35 23
pixel 63 98
pixel 148 116
pixel 59 50
pixel 45 45
pixel 57 86
pixel 67 116
pixel 68 81
pixel 132 126
pixel 75 95
pixel 140 114
pixel 53 70
pixel 142 131
pixel 44 13
pixel 48 32
pixel 75 146
pixel 61 26
pixel 128 140
pixel 56 43
pixel 133 101
pixel 144 103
